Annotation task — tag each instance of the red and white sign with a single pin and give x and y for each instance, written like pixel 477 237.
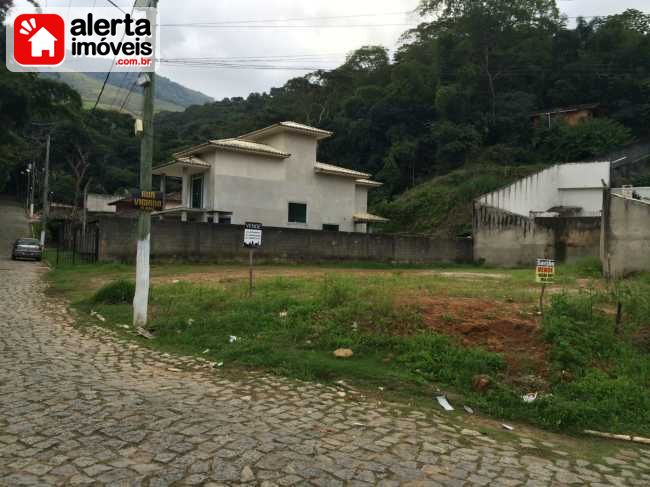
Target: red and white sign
pixel 39 40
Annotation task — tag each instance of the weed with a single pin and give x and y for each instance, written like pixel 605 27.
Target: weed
pixel 118 292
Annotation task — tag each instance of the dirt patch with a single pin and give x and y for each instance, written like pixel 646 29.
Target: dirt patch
pixel 505 328
pixel 472 275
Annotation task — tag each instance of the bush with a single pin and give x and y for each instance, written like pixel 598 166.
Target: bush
pixel 336 291
pixel 589 267
pixel 117 292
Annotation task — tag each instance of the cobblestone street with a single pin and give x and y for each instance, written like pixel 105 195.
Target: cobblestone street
pixel 79 407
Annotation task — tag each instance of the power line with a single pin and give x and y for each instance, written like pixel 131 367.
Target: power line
pixel 290 19
pixel 101 92
pixel 117 6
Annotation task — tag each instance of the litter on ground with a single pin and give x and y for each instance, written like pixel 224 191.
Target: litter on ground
pixel 442 400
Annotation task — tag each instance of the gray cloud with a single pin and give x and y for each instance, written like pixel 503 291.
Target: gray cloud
pixel 188 42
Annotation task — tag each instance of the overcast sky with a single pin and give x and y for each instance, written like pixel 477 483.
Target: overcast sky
pixel 316 46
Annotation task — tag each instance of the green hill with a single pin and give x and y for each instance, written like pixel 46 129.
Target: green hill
pixel 170 96
pixel 442 206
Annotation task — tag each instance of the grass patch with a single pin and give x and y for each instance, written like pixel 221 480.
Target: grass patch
pixel 117 292
pixel 291 326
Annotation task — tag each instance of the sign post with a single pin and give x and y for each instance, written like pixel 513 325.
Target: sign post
pixel 544 274
pixel 252 241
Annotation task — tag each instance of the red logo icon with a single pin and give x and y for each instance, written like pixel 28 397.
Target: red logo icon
pixel 39 40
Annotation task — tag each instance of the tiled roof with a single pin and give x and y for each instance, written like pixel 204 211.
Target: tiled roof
pixel 368 182
pixel 368 218
pixel 339 171
pixel 292 126
pixel 183 161
pixel 250 147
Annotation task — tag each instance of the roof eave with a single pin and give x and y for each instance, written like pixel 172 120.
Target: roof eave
pixel 368 183
pixel 318 134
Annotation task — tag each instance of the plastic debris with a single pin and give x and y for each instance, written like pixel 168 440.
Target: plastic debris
pixel 207 350
pixel 442 400
pixel 355 326
pixel 144 333
pixel 468 410
pixel 98 316
pixel 220 364
pixel 507 427
pixel 284 314
pixel 175 281
pixel 381 388
pixel 233 339
pixel 528 398
pixel 190 321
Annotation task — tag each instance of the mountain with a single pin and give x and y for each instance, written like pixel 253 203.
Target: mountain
pixel 170 96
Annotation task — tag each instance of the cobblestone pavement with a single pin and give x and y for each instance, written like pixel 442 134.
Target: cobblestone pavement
pixel 87 408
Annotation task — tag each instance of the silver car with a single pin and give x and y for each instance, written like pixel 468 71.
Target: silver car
pixel 27 248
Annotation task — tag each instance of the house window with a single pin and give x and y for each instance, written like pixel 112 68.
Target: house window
pixel 297 213
pixel 330 228
pixel 225 219
pixel 197 192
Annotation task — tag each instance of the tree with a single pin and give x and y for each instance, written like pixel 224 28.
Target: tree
pixel 496 30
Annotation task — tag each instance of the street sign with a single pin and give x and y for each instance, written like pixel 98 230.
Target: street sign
pixel 148 200
pixel 252 235
pixel 545 271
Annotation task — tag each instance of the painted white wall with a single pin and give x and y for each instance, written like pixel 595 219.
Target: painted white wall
pixel 574 184
pixel 643 191
pixel 99 203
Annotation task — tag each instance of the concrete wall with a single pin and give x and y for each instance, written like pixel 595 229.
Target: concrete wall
pixel 510 240
pixel 574 184
pixel 171 240
pixel 99 203
pixel 625 236
pixel 643 191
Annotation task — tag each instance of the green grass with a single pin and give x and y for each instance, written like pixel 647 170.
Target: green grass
pixel 443 205
pixel 292 325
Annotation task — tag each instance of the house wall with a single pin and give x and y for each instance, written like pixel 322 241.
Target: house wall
pixel 99 203
pixel 259 188
pixel 643 191
pixel 172 240
pixel 574 184
pixel 509 240
pixel 625 236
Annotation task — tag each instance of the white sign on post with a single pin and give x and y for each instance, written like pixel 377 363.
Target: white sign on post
pixel 253 235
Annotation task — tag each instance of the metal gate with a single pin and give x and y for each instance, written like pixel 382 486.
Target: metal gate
pixel 76 244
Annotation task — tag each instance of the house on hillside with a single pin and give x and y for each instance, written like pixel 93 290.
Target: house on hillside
pixel 572 116
pixel 555 213
pixel 270 176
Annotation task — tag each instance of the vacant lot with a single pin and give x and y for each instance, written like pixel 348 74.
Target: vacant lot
pixel 474 333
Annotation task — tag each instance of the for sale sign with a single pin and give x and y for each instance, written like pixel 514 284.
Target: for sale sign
pixel 545 271
pixel 253 235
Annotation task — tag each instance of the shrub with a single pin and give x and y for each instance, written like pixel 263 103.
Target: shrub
pixel 336 291
pixel 117 292
pixel 589 267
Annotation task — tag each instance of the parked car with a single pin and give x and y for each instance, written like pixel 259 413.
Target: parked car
pixel 27 248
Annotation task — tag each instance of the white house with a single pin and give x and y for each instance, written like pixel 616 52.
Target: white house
pixel 269 176
pixel 42 41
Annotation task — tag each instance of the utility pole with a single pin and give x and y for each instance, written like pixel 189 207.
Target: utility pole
pixel 142 271
pixel 46 189
pixel 32 188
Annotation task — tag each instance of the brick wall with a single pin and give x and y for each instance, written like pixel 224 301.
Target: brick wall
pixel 173 240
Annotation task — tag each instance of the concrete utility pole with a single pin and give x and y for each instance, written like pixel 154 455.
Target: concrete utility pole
pixel 141 298
pixel 46 188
